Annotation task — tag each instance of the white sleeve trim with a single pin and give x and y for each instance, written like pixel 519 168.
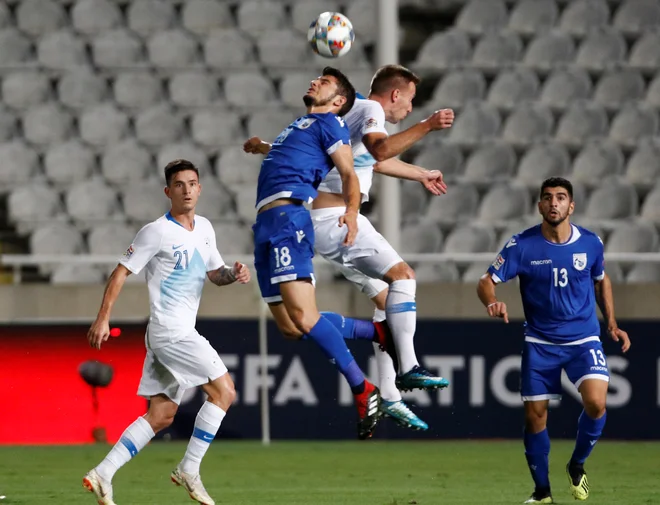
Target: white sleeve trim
pixel 599 277
pixel 334 146
pixel 495 278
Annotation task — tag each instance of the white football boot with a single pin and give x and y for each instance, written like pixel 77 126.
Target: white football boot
pixel 192 484
pixel 100 487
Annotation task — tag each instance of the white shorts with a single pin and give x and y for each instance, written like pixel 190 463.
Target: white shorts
pixel 366 261
pixel 181 365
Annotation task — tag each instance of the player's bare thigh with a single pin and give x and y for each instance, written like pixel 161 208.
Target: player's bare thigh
pixel 536 415
pixel 594 397
pixel 297 314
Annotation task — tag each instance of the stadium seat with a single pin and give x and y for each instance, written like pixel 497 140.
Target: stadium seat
pixel 652 97
pixel 565 86
pixel 232 238
pixel 632 123
pixel 46 124
pixel 21 90
pixel 146 17
pixel 513 227
pixel 636 236
pixel 361 14
pixel 39 17
pixel 158 125
pixel 126 162
pixel 643 273
pixel 443 51
pixel 428 273
pixel 644 55
pixel 32 204
pixel 511 87
pixel 67 274
pixel 651 207
pixel 531 17
pixel 414 200
pixel 423 237
pixel 616 88
pixel 61 50
pixel 250 90
pixel 257 16
pixel 110 238
pixel 580 199
pixel 634 17
pixel 582 16
pixel 470 239
pixel 145 201
pixel 216 56
pixel 292 88
pixel 495 52
pixel 8 127
pixel 527 123
pixel 137 90
pixel 213 130
pixel 596 161
pixel 56 238
pixel 305 13
pixel 202 16
pixel 444 157
pixel 504 202
pixel 183 150
pixel 602 50
pixel 23 166
pixel 491 162
pixel 5 16
pixel 459 204
pixel 215 204
pixel 458 88
pixel 81 88
pixel 543 160
pixel 15 48
pixel 612 200
pixel 68 163
pixel 91 17
pixel 194 89
pixel 235 167
pixel 581 121
pixel 548 51
pixel 103 124
pixel 355 59
pixel 90 202
pixel 268 124
pixel 117 49
pixel 476 123
pixel 482 16
pixel 474 272
pixel 643 169
pixel 615 272
pixel 245 196
pixel 173 49
pixel 282 50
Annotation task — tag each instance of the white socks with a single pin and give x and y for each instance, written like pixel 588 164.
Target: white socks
pixel 208 421
pixel 386 371
pixel 132 441
pixel 402 319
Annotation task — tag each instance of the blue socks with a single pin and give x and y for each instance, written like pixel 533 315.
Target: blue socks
pixel 352 329
pixel 331 342
pixel 589 431
pixel 537 450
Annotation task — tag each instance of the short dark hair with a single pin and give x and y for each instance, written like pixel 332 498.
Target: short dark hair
pixel 392 76
pixel 557 182
pixel 344 88
pixel 177 166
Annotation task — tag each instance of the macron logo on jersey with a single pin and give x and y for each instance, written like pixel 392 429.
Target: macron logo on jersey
pixel 300 235
pixel 511 243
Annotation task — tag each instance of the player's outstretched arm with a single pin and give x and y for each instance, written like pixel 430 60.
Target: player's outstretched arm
pixel 100 329
pixel 486 293
pixel 383 147
pixel 342 157
pixel 254 145
pixel 605 300
pixel 431 179
pixel 224 276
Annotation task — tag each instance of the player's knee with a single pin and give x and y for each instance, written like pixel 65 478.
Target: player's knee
pixel 595 408
pixel 535 419
pixel 160 420
pixel 223 395
pixel 290 332
pixel 303 321
pixel 400 272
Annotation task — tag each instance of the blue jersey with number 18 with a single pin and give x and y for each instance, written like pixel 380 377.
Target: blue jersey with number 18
pixel 556 282
pixel 299 158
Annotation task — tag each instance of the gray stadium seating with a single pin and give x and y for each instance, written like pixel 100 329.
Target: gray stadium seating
pixel 39 17
pixel 250 90
pixel 95 16
pixel 219 59
pixel 67 274
pixel 21 90
pixel 68 163
pixel 46 124
pixel 582 16
pixel 644 273
pixel 61 50
pixel 616 88
pixel 444 157
pixel 186 150
pixel 103 124
pixel 510 88
pixel 633 237
pixel 470 239
pixel 137 89
pixel 158 125
pixel 644 54
pixel 633 17
pixel 414 200
pixel 612 200
pixel 527 123
pixel 173 49
pixel 458 88
pixel 530 17
pixel 257 16
pixel 427 273
pixel 232 238
pixel 15 48
pixel 144 201
pixel 543 160
pixel 90 202
pixel 491 162
pixel 549 50
pixel 602 50
pixel 596 161
pixel 81 88
pixel 424 237
pixel 481 16
pixel 582 121
pixel 643 169
pixel 633 122
pixel 146 17
pixel 212 130
pixel 23 166
pixel 504 202
pixel 477 123
pixel 459 204
pixel 202 16
pixel 444 51
pixel 32 204
pixel 235 167
pixel 126 162
pixel 650 210
pixel 193 89
pixel 118 49
pixel 110 238
pixel 565 86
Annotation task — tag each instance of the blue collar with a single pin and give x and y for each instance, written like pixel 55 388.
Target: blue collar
pixel 170 218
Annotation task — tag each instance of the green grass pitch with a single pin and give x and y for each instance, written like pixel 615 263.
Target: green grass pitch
pixel 318 473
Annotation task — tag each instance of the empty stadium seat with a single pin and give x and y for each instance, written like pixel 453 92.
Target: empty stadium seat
pixel 218 58
pixel 581 121
pixel 531 17
pixel 56 238
pixel 616 88
pixel 470 239
pixel 250 90
pixel 233 239
pixel 23 166
pixel 7 124
pixel 158 125
pixel 183 150
pixel 95 16
pixel 444 157
pixel 638 237
pixel 305 13
pixel 193 89
pixel 245 196
pixel 643 169
pixel 459 204
pixel 5 16
pixel 526 124
pixel 90 202
pixel 213 130
pixel 32 204
pixel 361 14
pixel 474 272
pixel 202 16
pixel 67 274
pixel 215 203
pixel 458 88
pixel 424 237
pixel 615 272
pixel 478 122
pixel 81 88
pixel 549 50
pixel 137 90
pixel 47 123
pixel 481 16
pixel 444 51
pixel 39 17
pixel 427 273
pixel 612 200
pixel 146 17
pixel 235 167
pixel 565 86
pixel 118 48
pixel 257 16
pixel 268 124
pixel 414 200
pixel 15 48
pixel 68 163
pixel 496 51
pixel 504 202
pixel 61 50
pixel 644 273
pixel 602 50
pixel 644 55
pixel 543 160
pixel 632 123
pixel 110 238
pixel 126 162
pixel 633 17
pixel 650 210
pixel 282 50
pixel 175 49
pixel 21 90
pixel 145 201
pixel 510 88
pixel 491 162
pixel 103 124
pixel 596 161
pixel 292 88
pixel 582 16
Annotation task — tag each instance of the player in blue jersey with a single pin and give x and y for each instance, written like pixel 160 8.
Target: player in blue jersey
pixel 562 276
pixel 295 164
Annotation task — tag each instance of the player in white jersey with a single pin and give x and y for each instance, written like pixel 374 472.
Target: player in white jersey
pixel 179 252
pixel 371 262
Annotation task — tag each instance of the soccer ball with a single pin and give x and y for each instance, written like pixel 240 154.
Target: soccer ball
pixel 331 35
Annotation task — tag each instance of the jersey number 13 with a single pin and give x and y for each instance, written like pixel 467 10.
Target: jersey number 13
pixel 560 277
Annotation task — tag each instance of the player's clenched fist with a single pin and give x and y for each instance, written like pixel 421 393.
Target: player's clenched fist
pixel 498 309
pixel 441 119
pixel 241 273
pixel 254 145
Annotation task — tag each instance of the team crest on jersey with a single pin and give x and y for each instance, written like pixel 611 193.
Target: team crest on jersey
pixel 129 252
pixel 579 261
pixel 304 123
pixel 207 242
pixel 371 123
pixel 499 261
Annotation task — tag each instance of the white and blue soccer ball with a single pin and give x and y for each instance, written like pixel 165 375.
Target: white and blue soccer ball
pixel 331 35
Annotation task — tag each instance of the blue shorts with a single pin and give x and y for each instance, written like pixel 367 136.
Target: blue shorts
pixel 542 364
pixel 283 248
